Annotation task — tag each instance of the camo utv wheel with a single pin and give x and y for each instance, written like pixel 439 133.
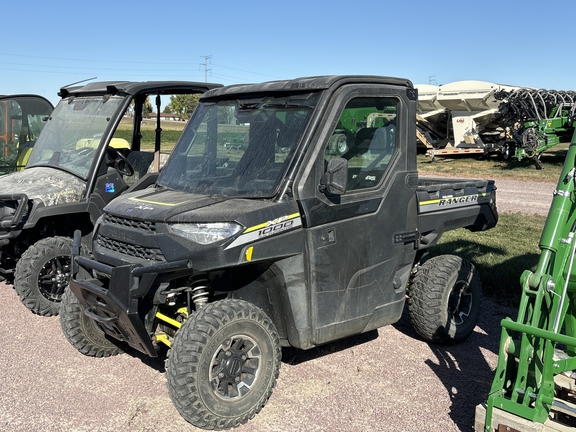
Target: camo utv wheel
pixel 223 364
pixel 444 299
pixel 82 332
pixel 42 273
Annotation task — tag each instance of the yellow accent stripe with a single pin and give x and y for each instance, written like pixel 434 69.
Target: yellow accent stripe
pixel 430 202
pixel 265 224
pixel 436 201
pixel 157 202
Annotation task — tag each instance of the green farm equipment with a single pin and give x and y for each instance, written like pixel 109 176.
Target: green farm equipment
pixel 536 120
pixel 533 388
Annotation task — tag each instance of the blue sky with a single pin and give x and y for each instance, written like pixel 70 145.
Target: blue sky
pixel 52 44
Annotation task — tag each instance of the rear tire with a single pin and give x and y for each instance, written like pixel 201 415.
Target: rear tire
pixel 42 273
pixel 223 364
pixel 444 299
pixel 82 332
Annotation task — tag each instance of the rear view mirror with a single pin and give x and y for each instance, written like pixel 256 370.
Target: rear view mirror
pixel 335 178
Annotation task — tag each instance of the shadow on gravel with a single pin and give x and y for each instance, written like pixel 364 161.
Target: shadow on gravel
pixel 463 368
pixel 465 374
pixel 294 356
pixel 156 363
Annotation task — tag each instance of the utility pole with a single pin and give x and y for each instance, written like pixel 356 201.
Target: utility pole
pixel 205 64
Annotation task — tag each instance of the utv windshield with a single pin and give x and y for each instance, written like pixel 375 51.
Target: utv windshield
pixel 238 147
pixel 73 133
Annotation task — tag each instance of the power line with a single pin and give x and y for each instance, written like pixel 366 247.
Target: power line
pixel 144 72
pixel 205 64
pixel 99 60
pixel 89 68
pixel 242 70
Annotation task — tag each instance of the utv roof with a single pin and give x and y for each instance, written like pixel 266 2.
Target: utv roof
pixel 306 84
pixel 133 88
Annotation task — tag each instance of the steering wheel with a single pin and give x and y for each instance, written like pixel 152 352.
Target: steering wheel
pixel 126 168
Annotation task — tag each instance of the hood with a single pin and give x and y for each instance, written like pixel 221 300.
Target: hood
pixel 181 207
pixel 46 185
pixel 155 205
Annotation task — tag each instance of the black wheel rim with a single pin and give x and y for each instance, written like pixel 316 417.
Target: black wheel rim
pixel 54 277
pixel 234 367
pixel 460 302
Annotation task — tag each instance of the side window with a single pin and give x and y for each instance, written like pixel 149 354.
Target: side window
pixel 366 136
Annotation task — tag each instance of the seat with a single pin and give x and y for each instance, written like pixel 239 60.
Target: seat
pixel 23 157
pixel 140 161
pixel 375 147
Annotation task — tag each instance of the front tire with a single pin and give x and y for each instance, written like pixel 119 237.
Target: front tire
pixel 82 332
pixel 42 273
pixel 444 299
pixel 223 364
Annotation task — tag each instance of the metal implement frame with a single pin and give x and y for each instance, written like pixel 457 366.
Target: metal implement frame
pixel 541 342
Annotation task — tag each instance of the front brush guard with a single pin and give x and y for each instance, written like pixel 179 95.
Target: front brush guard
pixel 14 219
pixel 115 307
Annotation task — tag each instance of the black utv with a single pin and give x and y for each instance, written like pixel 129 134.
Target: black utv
pixel 290 213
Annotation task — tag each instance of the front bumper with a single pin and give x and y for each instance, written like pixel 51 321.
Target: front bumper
pixel 113 300
pixel 11 217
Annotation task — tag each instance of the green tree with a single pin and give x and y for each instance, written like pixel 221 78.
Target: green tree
pixel 147 108
pixel 183 105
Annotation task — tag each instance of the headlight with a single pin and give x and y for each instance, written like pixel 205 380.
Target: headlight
pixel 206 233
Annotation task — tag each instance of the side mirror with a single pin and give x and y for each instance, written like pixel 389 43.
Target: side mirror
pixel 335 178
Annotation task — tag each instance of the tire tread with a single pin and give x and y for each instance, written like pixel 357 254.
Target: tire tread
pixel 186 352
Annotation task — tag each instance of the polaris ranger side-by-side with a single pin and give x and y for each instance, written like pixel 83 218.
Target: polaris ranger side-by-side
pixel 289 214
pixel 80 162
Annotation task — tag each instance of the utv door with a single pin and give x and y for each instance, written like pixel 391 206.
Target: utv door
pixel 359 256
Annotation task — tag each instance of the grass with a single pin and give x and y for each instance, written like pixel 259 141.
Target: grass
pixel 171 131
pixel 494 167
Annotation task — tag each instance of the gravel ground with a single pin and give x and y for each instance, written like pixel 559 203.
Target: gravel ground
pixel 524 197
pixel 385 380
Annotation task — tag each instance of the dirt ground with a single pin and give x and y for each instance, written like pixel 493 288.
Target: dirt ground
pixel 385 380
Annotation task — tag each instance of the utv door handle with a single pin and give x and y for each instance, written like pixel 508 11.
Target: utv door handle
pixel 327 237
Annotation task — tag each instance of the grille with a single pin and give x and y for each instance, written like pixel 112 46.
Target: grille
pixel 130 223
pixel 152 254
